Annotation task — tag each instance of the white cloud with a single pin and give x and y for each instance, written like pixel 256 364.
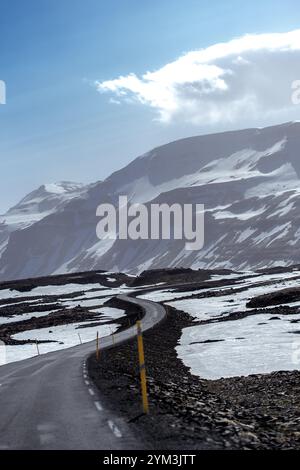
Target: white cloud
pixel 252 74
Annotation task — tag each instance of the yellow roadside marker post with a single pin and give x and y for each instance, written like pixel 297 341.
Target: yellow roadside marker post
pixel 97 346
pixel 142 368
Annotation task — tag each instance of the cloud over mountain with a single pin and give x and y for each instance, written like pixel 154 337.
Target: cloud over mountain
pixel 252 74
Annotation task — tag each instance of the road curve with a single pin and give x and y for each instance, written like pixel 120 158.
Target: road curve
pixel 48 402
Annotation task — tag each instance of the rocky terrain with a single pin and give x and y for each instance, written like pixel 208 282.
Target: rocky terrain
pixel 186 412
pixel 219 324
pixel 176 276
pixel 279 297
pixel 205 310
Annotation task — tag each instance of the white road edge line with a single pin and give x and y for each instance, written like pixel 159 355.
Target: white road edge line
pixel 98 405
pixel 114 428
pixel 91 391
pixel 87 382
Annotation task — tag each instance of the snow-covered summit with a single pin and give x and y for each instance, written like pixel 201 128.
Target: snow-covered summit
pixel 40 203
pixel 46 197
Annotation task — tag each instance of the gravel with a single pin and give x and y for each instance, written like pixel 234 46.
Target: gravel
pixel 186 412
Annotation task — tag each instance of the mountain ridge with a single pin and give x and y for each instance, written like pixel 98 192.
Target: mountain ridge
pixel 247 179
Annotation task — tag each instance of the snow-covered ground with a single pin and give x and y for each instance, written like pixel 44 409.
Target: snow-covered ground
pixel 212 348
pixel 91 296
pixel 211 307
pixel 63 336
pixel 254 344
pixel 89 290
pixel 24 316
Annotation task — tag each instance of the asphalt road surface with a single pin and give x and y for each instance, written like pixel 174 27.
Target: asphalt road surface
pixel 48 402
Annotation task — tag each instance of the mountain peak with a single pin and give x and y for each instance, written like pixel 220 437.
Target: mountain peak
pixel 62 187
pixel 248 181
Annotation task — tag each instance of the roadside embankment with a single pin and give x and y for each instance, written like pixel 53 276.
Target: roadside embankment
pixel 186 412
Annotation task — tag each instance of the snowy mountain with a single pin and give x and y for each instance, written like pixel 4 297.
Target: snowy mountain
pixel 35 206
pixel 248 181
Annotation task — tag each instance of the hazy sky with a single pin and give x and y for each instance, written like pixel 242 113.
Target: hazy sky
pixel 92 84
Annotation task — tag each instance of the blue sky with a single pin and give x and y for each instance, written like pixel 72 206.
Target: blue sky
pixel 56 125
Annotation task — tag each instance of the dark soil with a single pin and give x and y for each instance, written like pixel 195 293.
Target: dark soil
pixel 64 317
pixel 20 308
pixel 281 310
pixel 107 280
pixel 282 296
pixel 61 317
pixel 186 412
pixel 177 275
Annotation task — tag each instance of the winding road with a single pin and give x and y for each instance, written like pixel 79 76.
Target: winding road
pixel 48 402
